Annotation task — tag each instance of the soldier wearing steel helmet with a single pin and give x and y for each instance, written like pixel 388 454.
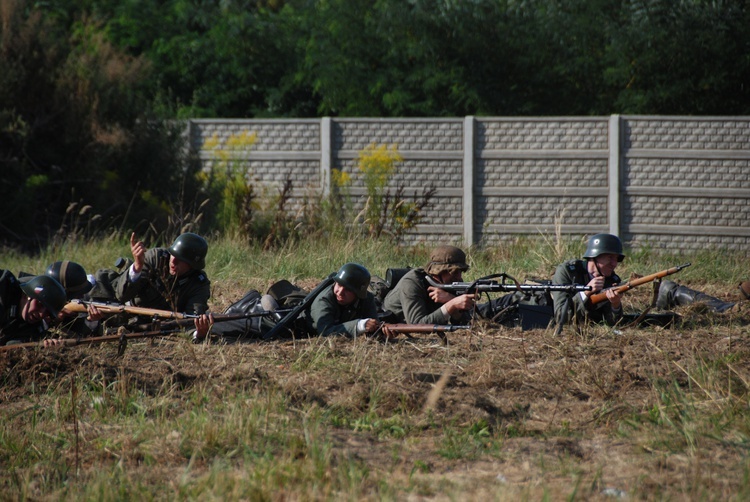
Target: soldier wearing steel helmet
pixel 414 301
pixel 346 307
pixel 72 276
pixel 596 269
pixel 77 284
pixel 27 307
pixel 166 278
pixel 162 278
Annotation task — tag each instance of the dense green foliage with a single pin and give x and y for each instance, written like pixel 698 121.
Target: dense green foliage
pixel 86 85
pixel 438 57
pixel 78 130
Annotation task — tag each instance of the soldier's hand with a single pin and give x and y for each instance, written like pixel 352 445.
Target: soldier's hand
pixel 94 314
pixel 138 249
pixel 597 283
pixel 439 295
pixel 614 298
pixel 52 342
pixel 202 326
pixel 460 303
pixel 371 325
pixel 386 332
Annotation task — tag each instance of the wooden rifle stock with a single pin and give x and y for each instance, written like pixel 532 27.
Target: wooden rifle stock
pixel 600 297
pixel 407 329
pixel 115 308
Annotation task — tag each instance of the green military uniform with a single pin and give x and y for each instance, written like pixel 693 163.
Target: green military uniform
pixel 576 272
pixel 327 317
pixel 410 302
pixel 13 328
pixel 156 288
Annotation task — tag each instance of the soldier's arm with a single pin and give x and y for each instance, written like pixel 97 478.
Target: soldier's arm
pixel 417 307
pixel 125 287
pixel 566 304
pixel 326 318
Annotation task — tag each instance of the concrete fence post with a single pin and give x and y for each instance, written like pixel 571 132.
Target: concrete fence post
pixel 468 181
pixel 326 155
pixel 615 159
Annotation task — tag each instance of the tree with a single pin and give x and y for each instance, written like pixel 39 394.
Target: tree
pixel 75 127
pixel 687 57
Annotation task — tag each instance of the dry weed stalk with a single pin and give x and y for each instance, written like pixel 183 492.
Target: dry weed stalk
pixel 436 391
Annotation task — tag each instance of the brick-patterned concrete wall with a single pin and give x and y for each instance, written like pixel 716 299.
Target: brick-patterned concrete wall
pixel 666 182
pixel 686 182
pixel 533 173
pixel 432 150
pixel 283 149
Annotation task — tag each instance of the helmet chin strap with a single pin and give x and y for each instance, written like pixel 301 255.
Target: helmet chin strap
pixel 596 265
pixel 598 269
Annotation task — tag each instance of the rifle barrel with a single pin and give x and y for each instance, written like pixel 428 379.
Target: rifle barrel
pixel 217 318
pixel 424 328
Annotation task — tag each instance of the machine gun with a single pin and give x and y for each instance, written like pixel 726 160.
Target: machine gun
pixel 507 283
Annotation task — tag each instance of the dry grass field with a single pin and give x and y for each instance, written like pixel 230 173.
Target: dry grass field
pixel 498 414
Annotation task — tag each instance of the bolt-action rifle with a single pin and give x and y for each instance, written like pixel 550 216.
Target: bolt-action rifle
pixel 489 284
pixel 600 297
pixel 122 339
pixel 297 310
pixel 407 329
pixel 175 318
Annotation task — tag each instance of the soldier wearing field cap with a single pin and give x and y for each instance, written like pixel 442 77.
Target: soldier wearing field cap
pixel 414 301
pixel 26 307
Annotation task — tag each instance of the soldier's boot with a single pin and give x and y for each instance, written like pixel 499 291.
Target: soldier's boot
pixel 744 288
pixel 269 304
pixel 672 294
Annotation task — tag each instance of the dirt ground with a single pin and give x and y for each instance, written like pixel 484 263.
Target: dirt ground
pixel 563 410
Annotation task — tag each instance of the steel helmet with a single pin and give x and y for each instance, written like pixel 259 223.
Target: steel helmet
pixel 71 276
pixel 190 248
pixel 354 277
pixel 603 244
pixel 46 290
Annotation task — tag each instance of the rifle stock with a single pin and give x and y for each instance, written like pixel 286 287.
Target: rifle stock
pixel 600 297
pixel 79 306
pixel 407 329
